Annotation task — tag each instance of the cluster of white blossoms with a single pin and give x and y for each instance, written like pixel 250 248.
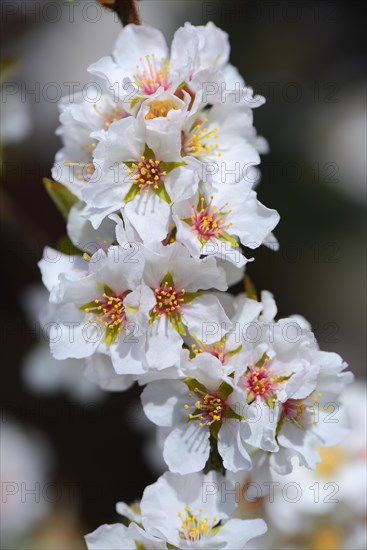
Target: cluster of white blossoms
pixel 161 168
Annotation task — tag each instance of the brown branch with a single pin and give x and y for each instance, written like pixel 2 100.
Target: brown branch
pixel 127 10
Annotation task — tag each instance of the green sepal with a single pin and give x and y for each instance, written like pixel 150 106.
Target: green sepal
pixel 148 153
pixel 279 426
pixel 161 192
pixel 176 322
pixel 89 305
pixel 107 290
pixel 169 166
pixel 135 101
pixel 214 429
pixel 131 194
pixel 67 247
pixel 167 279
pixel 224 390
pixel 271 405
pixel 214 530
pixel 283 378
pixel 227 237
pixel 250 397
pixel 192 384
pixel 235 351
pixel 229 413
pixel 62 197
pixel 191 351
pixel 190 296
pixel 139 545
pixel 250 288
pixel 111 335
pixel 262 360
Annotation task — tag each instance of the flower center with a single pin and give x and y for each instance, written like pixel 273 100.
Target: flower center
pixel 293 410
pixel 152 74
pixel 85 167
pixel 261 382
pixel 168 299
pixel 160 109
pixel 217 350
pixel 208 408
pixel 108 311
pixel 301 411
pixel 201 141
pixel 147 173
pixel 194 527
pixel 110 114
pixel 208 220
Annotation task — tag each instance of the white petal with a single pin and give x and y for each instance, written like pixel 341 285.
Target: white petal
pixel 236 533
pixel 164 344
pixel 100 371
pixel 206 307
pixel 163 402
pixel 135 42
pixel 187 448
pixel 230 447
pixel 148 211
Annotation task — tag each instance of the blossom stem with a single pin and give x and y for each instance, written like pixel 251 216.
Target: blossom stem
pixel 215 461
pixel 127 10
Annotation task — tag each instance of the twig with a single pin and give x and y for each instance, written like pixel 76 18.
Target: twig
pixel 127 10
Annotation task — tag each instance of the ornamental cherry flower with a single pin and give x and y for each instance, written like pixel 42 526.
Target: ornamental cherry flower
pixel 344 463
pixel 213 226
pixel 203 52
pixel 221 143
pixel 259 381
pixel 120 537
pixel 165 110
pixel 180 510
pixel 103 309
pixel 307 411
pixel 140 67
pixel 237 347
pixel 83 235
pixel 142 173
pixel 82 122
pixel 183 512
pixel 311 408
pixel 177 281
pixel 201 410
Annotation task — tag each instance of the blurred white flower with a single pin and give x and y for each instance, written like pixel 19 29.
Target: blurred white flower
pixel 336 153
pixel 25 465
pixel 42 374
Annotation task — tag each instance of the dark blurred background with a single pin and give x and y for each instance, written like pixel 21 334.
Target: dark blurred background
pixel 308 59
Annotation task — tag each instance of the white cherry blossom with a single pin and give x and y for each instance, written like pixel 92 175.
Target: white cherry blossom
pixel 213 225
pixel 102 307
pixel 203 410
pixel 185 512
pixel 82 124
pixel 141 173
pixel 178 282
